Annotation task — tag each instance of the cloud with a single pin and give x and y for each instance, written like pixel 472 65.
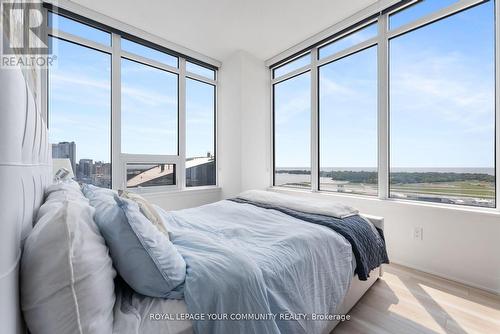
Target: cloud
pixel 331 87
pixel 294 107
pixel 70 78
pixel 444 85
pixel 147 98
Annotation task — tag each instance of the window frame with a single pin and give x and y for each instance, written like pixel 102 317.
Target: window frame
pixel 351 25
pixel 298 72
pixel 119 160
pixel 351 51
pixel 213 83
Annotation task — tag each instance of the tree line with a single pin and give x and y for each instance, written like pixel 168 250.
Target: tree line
pixel 398 177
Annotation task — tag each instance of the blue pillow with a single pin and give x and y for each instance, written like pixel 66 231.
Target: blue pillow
pixel 143 256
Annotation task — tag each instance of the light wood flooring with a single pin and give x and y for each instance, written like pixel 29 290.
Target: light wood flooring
pixel 407 301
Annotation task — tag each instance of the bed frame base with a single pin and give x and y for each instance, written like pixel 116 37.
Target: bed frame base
pixel 356 291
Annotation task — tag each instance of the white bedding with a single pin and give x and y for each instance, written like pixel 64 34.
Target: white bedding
pixel 316 206
pixel 137 314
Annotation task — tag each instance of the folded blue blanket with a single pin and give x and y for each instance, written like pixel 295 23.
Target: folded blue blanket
pixel 368 244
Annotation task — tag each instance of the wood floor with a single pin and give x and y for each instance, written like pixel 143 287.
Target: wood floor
pixel 409 301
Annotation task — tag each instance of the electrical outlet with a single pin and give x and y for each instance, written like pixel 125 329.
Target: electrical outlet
pixel 418 233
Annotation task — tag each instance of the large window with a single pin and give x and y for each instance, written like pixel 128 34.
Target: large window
pixel 403 107
pixel 121 106
pixel 149 109
pixel 200 140
pixel 79 101
pixel 442 110
pixel 292 119
pixel 348 124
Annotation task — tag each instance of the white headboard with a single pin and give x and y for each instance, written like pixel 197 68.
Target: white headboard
pixel 24 173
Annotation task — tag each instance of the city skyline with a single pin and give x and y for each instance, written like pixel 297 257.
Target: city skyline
pixel 199 170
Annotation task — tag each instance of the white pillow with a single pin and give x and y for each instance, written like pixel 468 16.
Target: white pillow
pixel 68 190
pixel 66 272
pixel 146 209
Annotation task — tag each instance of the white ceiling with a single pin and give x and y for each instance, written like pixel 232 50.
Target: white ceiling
pixel 217 28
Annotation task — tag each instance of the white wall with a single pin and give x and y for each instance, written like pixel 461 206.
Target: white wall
pixel 243 113
pixel 229 125
pixel 183 199
pixel 255 120
pixel 457 243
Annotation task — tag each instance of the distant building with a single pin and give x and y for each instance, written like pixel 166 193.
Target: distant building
pixel 85 167
pixel 200 171
pixel 102 168
pixel 65 150
pixel 102 174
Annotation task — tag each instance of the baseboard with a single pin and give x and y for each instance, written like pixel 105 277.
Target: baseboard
pixel 448 277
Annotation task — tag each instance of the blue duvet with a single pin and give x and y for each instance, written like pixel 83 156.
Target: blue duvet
pixel 246 263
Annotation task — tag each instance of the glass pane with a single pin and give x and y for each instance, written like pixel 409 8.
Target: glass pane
pixel 150 175
pixel 292 66
pixel 346 42
pixel 200 70
pixel 149 110
pixel 148 52
pixel 348 124
pixel 78 29
pixel 79 108
pixel 200 134
pixel 442 89
pixel 416 11
pixel 292 132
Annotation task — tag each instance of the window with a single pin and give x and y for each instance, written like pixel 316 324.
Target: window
pixel 200 137
pixel 442 93
pixel 200 70
pixel 348 151
pixel 149 109
pixel 150 175
pixel 348 41
pixel 292 137
pixel 147 52
pixel 402 108
pixel 417 10
pixel 292 65
pixel 78 29
pixel 108 91
pixel 79 102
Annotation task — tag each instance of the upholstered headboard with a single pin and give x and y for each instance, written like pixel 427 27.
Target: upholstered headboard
pixel 24 173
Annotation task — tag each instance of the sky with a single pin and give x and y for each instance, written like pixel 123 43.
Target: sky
pixel 441 98
pixel 80 101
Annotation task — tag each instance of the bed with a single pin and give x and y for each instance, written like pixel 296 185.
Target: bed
pixel 25 173
pixel 135 313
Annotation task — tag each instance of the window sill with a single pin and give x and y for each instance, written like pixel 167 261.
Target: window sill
pixel 486 211
pixel 166 191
